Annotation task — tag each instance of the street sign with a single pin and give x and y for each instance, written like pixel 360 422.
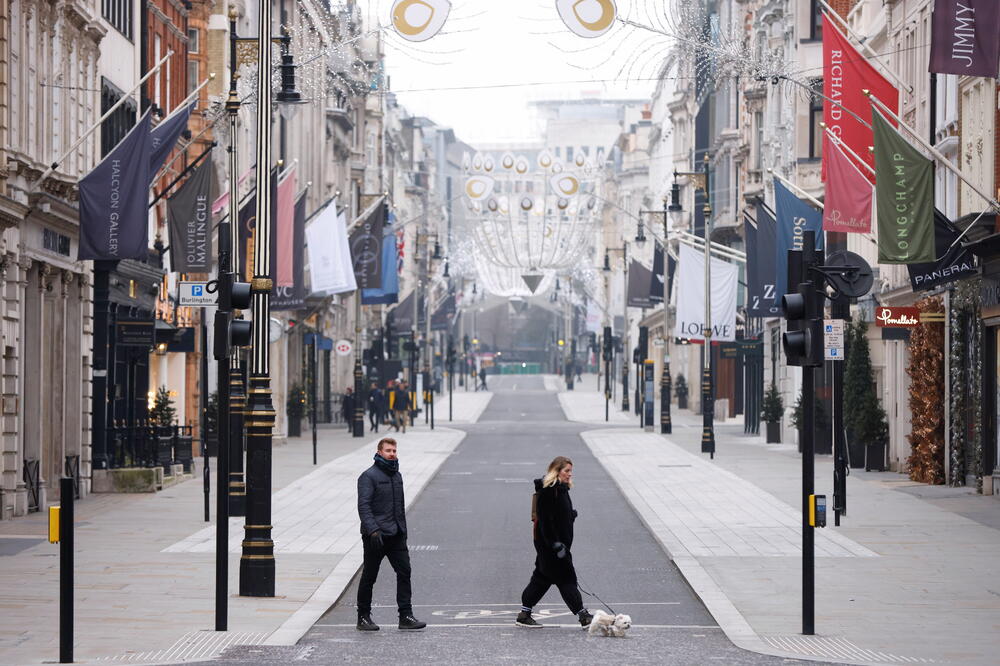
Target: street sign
pixel 134 333
pixel 833 339
pixel 195 294
pixel 344 347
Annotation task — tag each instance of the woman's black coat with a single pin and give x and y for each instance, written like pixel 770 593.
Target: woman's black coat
pixel 555 525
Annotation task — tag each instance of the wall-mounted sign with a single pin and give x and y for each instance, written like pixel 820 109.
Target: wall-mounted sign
pixel 897 317
pixel 134 333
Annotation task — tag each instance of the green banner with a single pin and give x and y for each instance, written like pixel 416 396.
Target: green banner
pixel 904 192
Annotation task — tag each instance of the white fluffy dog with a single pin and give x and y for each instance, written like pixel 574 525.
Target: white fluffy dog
pixel 605 624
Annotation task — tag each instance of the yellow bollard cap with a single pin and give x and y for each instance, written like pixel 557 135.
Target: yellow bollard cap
pixel 53 524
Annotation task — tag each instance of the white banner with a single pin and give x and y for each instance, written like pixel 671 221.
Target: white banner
pixel 690 296
pixel 329 252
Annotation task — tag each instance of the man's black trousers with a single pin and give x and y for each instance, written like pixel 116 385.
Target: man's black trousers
pixel 540 584
pixel 394 548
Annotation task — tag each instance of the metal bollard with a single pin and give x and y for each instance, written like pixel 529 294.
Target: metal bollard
pixel 66 571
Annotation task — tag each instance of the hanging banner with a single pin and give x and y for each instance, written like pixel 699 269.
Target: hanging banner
pixel 690 297
pixel 293 297
pixel 284 238
pixel 366 248
pixel 904 182
pixel 248 232
pixel 329 254
pixel 190 222
pixel 794 217
pixel 848 204
pixel 638 285
pixel 444 314
pixel 965 37
pixel 771 304
pixel 955 262
pixel 755 288
pixel 163 137
pixel 846 74
pixel 114 198
pixel 656 280
pixel 389 291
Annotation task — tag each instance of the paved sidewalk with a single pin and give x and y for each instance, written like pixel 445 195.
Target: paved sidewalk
pixel 907 578
pixel 586 404
pixel 145 564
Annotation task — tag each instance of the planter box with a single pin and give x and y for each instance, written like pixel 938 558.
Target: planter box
pixel 774 433
pixel 294 426
pixel 682 403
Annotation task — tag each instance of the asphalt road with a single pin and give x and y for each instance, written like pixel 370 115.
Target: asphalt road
pixel 471 553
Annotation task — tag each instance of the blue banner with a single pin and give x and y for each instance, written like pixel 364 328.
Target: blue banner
pixel 164 136
pixel 794 216
pixel 765 261
pixel 389 291
pixel 114 198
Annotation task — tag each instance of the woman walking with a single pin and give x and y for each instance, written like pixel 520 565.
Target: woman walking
pixel 553 516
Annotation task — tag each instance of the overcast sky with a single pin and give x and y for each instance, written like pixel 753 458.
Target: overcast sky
pixel 490 49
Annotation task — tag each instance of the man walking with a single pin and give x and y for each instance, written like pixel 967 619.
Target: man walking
pixel 382 510
pixel 374 407
pixel 401 406
pixel 482 378
pixel 347 408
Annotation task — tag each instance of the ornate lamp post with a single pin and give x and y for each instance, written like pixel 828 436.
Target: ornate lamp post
pixel 702 180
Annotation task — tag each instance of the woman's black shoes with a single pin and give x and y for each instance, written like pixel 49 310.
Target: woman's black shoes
pixel 410 623
pixel 585 618
pixel 365 623
pixel 525 620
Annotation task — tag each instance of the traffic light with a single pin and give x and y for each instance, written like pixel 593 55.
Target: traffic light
pixel 803 341
pixel 608 349
pixel 643 346
pixel 240 329
pixel 230 332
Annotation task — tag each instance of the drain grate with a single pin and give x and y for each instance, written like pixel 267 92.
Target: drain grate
pixel 837 648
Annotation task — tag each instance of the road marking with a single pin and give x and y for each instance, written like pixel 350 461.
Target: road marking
pixel 513 480
pixel 621 603
pixel 575 625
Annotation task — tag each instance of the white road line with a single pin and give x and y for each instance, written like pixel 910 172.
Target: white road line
pixel 549 624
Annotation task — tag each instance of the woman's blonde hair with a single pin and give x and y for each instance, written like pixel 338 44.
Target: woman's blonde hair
pixel 552 475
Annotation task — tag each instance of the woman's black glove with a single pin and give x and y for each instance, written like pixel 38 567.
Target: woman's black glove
pixel 559 548
pixel 376 539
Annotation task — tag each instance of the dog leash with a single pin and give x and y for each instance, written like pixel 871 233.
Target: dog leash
pixel 591 594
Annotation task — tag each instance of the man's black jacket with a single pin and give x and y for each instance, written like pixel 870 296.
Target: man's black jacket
pixel 381 505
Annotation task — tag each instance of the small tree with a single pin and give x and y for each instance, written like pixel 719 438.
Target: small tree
pixel 163 412
pixel 773 407
pixel 864 417
pixel 681 388
pixel 820 417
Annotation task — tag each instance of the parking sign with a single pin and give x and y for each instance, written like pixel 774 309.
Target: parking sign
pixel 195 294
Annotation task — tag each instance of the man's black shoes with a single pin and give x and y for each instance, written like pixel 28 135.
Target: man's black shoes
pixel 524 619
pixel 410 623
pixel 365 623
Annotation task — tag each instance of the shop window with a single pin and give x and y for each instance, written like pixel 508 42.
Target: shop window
pixel 815 118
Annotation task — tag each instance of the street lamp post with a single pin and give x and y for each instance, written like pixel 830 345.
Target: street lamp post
pixel 625 358
pixel 702 180
pixel 257 570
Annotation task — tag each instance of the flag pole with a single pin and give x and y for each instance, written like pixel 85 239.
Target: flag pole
pixel 932 150
pixel 798 190
pixel 83 137
pixel 864 45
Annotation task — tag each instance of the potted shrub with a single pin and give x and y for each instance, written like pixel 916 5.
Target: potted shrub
pixel 822 443
pixel 296 409
pixel 771 411
pixel 864 417
pixel 681 391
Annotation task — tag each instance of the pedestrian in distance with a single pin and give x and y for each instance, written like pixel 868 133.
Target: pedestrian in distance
pixel 552 516
pixel 386 413
pixel 374 407
pixel 482 378
pixel 347 408
pixel 401 407
pixel 382 510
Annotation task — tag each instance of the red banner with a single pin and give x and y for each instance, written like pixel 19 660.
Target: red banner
pixel 846 74
pixel 897 317
pixel 848 204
